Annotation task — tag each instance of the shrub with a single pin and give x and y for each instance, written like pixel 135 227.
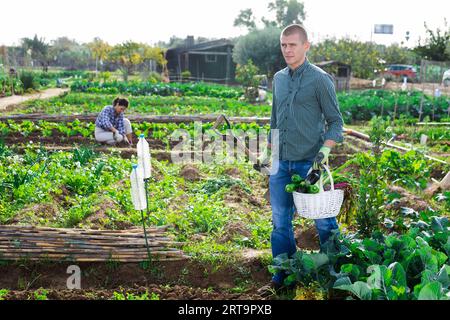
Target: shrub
pixel 29 80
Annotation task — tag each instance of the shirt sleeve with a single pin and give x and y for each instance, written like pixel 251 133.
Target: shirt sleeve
pixel 120 124
pixel 330 108
pixel 273 117
pixel 103 119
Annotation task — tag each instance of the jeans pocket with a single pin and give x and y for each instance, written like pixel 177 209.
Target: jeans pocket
pixel 302 167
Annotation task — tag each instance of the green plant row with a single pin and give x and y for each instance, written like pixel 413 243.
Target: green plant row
pixel 354 106
pixel 363 105
pixel 161 131
pixel 138 88
pixel 76 103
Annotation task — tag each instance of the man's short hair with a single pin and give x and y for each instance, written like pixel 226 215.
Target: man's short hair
pixel 121 102
pixel 295 28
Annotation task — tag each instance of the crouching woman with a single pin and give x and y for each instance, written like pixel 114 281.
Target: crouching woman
pixel 111 127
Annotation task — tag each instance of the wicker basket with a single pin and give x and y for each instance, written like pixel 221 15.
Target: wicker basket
pixel 325 204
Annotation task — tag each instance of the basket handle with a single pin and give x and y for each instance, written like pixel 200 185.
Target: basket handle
pixel 329 175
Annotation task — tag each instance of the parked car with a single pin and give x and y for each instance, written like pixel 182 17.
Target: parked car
pixel 401 70
pixel 446 78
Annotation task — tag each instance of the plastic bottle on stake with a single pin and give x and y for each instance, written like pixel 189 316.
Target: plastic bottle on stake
pixel 138 189
pixel 143 153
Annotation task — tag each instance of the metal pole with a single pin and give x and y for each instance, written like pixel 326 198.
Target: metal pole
pixel 421 106
pixel 143 222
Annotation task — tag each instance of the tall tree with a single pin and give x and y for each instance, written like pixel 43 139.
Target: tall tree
pixel 245 19
pixel 153 54
pixel 262 46
pixel 100 51
pixel 3 55
pixel 436 46
pixel 286 13
pixel 127 55
pixel 62 52
pixel 38 49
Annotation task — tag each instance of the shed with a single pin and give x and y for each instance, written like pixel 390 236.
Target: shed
pixel 208 61
pixel 340 71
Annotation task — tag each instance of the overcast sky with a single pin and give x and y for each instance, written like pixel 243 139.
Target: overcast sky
pixel 150 21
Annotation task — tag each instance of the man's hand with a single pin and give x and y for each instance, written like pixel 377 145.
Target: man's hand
pixel 321 158
pixel 125 138
pixel 116 135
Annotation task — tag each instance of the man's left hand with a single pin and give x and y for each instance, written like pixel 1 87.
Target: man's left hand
pixel 321 158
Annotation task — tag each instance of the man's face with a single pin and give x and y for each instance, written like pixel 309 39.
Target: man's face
pixel 119 108
pixel 294 49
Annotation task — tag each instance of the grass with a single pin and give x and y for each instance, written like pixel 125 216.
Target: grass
pixel 40 294
pixel 210 252
pixel 3 293
pixel 134 296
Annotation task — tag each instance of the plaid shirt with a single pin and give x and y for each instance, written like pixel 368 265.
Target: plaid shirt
pixel 305 111
pixel 108 119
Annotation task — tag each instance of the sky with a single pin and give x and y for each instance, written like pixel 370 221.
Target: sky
pixel 151 21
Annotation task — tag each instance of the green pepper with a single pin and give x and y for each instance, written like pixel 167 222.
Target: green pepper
pixel 290 187
pixel 313 189
pixel 296 178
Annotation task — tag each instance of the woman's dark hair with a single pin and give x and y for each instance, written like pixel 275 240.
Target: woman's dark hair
pixel 121 102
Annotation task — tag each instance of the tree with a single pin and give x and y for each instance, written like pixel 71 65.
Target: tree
pixel 245 19
pixel 132 55
pixel 38 50
pixel 152 56
pixel 100 50
pixel 127 55
pixel 68 53
pixel 364 57
pixel 436 46
pixel 263 48
pixel 287 12
pixel 3 55
pixel 397 54
pixel 248 76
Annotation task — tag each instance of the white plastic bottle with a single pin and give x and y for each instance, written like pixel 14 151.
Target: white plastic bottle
pixel 144 158
pixel 137 189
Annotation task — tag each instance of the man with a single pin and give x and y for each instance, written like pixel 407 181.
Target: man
pixel 304 99
pixel 111 126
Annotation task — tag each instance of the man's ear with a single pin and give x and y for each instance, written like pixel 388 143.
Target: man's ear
pixel 307 45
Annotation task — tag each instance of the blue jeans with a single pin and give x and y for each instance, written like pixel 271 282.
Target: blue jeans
pixel 283 208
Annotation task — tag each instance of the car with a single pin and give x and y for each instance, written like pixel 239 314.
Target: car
pixel 446 78
pixel 401 70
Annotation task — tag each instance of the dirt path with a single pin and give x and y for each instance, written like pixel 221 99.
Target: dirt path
pixel 8 102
